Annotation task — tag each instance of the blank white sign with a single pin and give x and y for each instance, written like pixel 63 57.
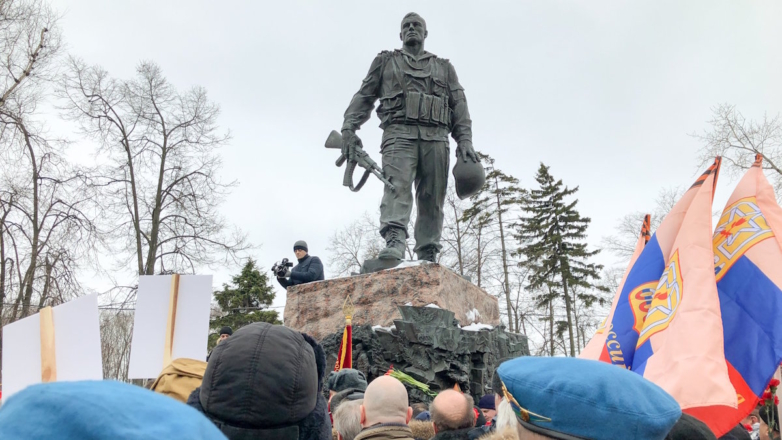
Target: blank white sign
pixel 76 345
pixel 191 328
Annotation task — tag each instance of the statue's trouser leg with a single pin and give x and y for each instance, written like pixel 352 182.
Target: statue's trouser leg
pixel 430 187
pixel 400 163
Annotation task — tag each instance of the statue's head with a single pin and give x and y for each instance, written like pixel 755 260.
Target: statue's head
pixel 413 29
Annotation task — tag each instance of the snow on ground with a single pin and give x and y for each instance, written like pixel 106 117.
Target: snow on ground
pixel 432 306
pixel 473 315
pixel 380 327
pixel 409 263
pixel 477 327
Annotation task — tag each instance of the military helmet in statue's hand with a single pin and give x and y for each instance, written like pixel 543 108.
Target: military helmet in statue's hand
pixel 469 177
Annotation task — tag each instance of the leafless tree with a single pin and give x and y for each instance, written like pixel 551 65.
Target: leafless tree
pixel 354 243
pixel 738 140
pixel 457 237
pixel 116 331
pixel 493 210
pixel 161 189
pixel 622 242
pixel 29 42
pixel 47 220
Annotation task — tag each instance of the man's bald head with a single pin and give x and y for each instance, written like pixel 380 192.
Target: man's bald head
pixel 385 401
pixel 452 410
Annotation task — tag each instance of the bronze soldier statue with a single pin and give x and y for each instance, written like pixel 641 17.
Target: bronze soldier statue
pixel 421 102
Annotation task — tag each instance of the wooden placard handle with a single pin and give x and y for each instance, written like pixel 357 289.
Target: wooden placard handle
pixel 171 320
pixel 48 359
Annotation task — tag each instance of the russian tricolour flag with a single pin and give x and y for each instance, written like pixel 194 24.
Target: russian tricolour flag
pixel 680 346
pixel 630 307
pixel 747 250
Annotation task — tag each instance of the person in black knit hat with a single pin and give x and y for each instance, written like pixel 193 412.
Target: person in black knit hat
pixel 225 332
pixel 309 269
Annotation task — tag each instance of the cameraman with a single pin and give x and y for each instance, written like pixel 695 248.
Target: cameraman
pixel 308 270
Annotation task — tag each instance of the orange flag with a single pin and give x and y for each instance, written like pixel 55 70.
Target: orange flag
pixel 680 346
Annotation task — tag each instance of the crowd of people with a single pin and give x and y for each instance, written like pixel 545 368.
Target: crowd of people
pixel 269 382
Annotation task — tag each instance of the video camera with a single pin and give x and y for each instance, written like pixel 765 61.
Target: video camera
pixel 281 268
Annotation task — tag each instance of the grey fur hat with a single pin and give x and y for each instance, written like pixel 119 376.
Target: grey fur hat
pixel 347 378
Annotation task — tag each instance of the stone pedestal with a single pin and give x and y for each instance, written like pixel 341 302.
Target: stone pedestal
pixel 316 308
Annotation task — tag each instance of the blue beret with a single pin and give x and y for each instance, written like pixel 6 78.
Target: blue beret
pixel 89 410
pixel 588 399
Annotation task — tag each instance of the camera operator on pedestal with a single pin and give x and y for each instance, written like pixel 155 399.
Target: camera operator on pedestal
pixel 308 270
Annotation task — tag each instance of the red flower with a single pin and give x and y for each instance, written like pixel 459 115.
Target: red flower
pixel 766 395
pixel 773 383
pixel 776 400
pixel 748 428
pixel 762 402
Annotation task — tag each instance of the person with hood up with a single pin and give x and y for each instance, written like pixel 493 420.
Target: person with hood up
pixel 265 382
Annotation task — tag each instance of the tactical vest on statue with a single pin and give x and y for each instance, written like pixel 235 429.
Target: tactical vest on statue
pixel 415 93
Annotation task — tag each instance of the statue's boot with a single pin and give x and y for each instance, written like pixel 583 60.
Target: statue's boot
pixel 428 253
pixel 395 245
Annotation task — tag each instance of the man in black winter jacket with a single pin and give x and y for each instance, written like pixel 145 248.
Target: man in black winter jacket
pixel 265 382
pixel 308 270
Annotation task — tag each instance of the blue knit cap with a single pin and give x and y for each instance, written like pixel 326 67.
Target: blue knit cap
pixel 565 398
pixel 90 410
pixel 486 402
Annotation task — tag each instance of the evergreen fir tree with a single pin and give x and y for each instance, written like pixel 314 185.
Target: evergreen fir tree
pixel 551 238
pixel 244 301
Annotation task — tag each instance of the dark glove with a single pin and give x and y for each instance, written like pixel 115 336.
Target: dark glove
pixel 464 150
pixel 351 144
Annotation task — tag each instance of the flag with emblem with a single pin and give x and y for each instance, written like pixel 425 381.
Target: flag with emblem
pixel 680 346
pixel 642 279
pixel 747 264
pixel 596 348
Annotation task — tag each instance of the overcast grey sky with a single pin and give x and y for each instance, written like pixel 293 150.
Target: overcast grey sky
pixel 604 92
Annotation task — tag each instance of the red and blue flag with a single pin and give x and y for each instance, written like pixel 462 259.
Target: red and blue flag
pixel 680 346
pixel 634 301
pixel 747 246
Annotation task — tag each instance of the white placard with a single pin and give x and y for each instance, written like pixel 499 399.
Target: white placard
pixel 76 344
pixel 149 325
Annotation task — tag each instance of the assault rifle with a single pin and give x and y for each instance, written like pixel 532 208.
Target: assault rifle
pixel 362 159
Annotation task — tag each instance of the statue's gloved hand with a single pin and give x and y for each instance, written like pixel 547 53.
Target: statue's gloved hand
pixel 464 150
pixel 351 144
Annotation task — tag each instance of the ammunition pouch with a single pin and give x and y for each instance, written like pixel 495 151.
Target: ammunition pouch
pixel 425 109
pixel 401 106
